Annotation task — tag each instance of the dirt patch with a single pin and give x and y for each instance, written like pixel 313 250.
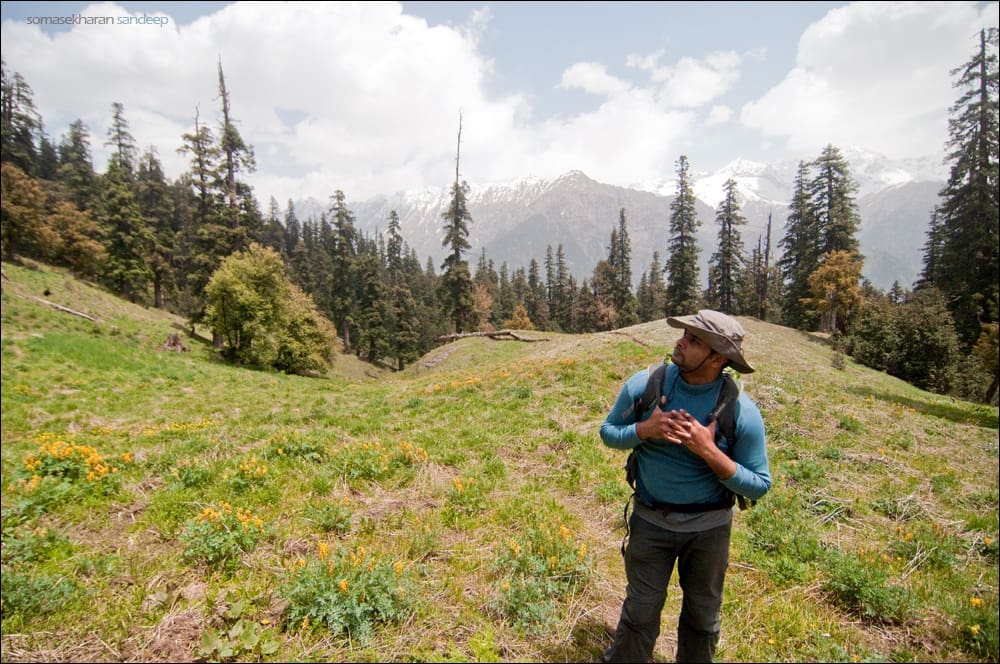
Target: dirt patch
pixel 174 639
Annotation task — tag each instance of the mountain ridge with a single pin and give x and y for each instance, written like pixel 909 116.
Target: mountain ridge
pixel 516 221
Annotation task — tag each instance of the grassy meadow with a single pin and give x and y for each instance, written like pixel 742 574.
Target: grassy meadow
pixel 163 506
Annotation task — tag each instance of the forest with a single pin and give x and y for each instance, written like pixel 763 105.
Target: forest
pixel 291 294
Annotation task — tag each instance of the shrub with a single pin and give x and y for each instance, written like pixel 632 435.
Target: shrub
pixel 915 341
pixel 348 591
pixel 219 535
pixel 539 569
pixel 860 584
pixel 331 517
pixel 70 462
pixel 34 594
pixel 264 319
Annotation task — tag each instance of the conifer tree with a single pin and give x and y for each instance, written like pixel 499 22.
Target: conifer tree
pixel 968 210
pixel 586 309
pixel 123 143
pixel 456 280
pixel 205 240
pixel 534 300
pixel 801 255
pixel 293 228
pixel 48 157
pixel 19 122
pixel 76 167
pixel 682 262
pixel 342 247
pixel 833 192
pixel 507 300
pixel 127 237
pixel 156 202
pixel 727 264
pixel 620 262
pixel 235 156
pixel 373 307
pixel 562 293
pixel 273 234
pixel 404 319
pixel 652 292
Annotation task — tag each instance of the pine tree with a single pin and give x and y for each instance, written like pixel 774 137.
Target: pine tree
pixel 404 315
pixel 19 122
pixel 507 300
pixel 652 292
pixel 534 299
pixel 930 272
pixel 235 155
pixel 342 247
pixel 562 293
pixel 373 307
pixel 123 143
pixel 801 255
pixel 127 237
pixel 456 280
pixel 48 157
pixel 76 168
pixel 156 202
pixel 727 264
pixel 620 262
pixel 968 210
pixel 833 192
pixel 273 235
pixel 682 262
pixel 586 311
pixel 205 240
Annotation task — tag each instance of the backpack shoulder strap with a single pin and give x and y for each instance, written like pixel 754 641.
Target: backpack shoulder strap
pixel 724 413
pixel 651 394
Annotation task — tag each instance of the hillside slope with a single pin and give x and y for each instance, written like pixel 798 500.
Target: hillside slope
pixel 162 506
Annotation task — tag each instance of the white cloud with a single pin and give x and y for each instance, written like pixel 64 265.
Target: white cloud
pixel 718 115
pixel 871 74
pixel 594 78
pixel 364 98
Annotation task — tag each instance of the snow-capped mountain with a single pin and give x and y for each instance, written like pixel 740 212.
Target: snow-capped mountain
pixel 516 221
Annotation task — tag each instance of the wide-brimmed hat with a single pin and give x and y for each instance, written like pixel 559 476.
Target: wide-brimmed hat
pixel 723 333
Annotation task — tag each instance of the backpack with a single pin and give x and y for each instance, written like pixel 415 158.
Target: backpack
pixel 724 415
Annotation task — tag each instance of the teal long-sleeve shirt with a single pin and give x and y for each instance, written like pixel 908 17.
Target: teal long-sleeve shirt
pixel 670 473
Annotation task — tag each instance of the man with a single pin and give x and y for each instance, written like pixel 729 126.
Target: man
pixel 685 487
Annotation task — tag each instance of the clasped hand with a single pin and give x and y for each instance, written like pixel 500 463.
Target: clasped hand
pixel 680 427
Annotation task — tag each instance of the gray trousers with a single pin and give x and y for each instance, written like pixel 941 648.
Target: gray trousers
pixel 701 559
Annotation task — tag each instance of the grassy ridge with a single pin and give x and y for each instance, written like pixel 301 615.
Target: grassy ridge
pixel 463 510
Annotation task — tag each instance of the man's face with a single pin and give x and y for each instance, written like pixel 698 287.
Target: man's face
pixel 690 352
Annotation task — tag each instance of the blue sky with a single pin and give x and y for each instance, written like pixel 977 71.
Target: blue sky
pixel 365 97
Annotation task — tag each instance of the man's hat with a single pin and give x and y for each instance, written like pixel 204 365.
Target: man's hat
pixel 723 333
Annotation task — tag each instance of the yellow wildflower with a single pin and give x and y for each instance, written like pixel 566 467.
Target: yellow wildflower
pixel 343 586
pixel 974 629
pixel 976 602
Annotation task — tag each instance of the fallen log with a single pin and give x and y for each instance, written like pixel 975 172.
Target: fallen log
pixel 59 307
pixel 494 334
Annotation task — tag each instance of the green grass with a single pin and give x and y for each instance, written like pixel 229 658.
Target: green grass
pixel 467 504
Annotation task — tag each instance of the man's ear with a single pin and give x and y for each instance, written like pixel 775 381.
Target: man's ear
pixel 719 360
